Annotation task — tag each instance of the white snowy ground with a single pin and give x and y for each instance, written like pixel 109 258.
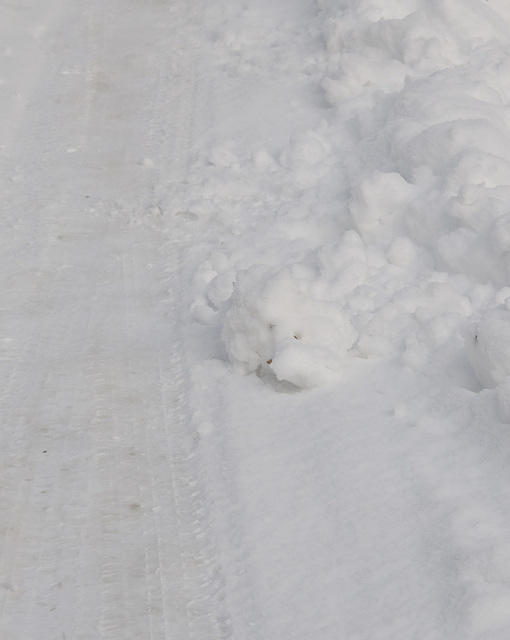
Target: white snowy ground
pixel 255 321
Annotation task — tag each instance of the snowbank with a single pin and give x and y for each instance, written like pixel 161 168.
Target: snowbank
pixel 379 225
pixel 359 242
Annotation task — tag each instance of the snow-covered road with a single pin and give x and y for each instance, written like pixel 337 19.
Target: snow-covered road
pixel 101 512
pixel 254 328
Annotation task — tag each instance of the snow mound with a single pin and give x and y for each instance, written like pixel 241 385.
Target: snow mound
pixel 277 319
pixel 371 217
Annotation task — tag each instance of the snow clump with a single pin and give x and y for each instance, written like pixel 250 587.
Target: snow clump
pixel 276 319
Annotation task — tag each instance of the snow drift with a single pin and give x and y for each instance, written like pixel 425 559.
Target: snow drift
pixel 389 212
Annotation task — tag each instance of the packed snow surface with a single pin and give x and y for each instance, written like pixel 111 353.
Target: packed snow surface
pixel 255 341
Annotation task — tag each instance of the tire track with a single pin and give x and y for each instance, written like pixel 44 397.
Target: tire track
pixel 120 543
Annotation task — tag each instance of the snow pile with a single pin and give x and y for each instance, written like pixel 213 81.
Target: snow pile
pixel 284 323
pixel 381 226
pixel 357 229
